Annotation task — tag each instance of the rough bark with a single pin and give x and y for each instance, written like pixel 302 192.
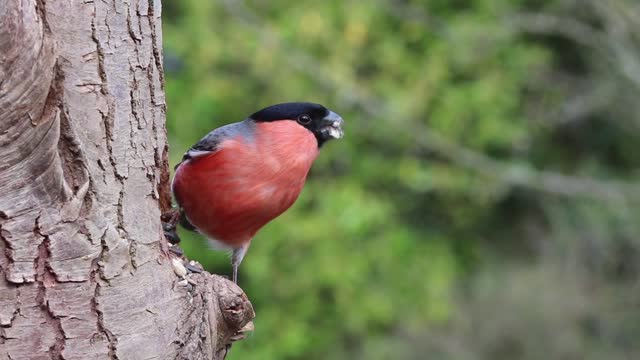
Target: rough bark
pixel 84 271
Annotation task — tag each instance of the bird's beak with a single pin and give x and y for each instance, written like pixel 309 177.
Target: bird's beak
pixel 333 125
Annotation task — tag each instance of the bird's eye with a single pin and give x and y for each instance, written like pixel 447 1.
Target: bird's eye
pixel 304 119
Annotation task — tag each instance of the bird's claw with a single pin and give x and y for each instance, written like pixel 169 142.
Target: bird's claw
pixel 172 236
pixel 169 221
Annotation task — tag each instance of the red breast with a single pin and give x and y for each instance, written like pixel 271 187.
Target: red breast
pixel 230 194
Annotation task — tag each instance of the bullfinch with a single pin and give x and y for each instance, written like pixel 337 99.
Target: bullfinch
pixel 242 175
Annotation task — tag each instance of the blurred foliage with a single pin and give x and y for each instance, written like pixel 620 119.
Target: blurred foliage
pixel 482 204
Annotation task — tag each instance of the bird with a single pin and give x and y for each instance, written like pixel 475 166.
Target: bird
pixel 242 175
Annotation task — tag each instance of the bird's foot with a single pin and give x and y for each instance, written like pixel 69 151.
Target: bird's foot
pixel 169 221
pixel 171 234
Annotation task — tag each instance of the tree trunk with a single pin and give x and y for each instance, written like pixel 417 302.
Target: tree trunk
pixel 84 267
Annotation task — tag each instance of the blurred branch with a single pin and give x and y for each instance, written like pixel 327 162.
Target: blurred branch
pixel 599 94
pixel 614 43
pixel 550 24
pixel 620 30
pixel 412 13
pixel 578 107
pixel 353 95
pixel 526 176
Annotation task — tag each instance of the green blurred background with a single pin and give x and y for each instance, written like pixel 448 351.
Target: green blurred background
pixel 484 203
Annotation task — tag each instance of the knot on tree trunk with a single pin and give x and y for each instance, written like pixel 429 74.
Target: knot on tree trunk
pixel 218 314
pixel 237 311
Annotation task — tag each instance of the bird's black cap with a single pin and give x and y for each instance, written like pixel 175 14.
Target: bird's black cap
pixel 322 122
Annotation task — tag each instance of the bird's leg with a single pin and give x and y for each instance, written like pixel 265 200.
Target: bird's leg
pixel 236 259
pixel 235 272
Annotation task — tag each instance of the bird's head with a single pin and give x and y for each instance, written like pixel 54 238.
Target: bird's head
pixel 322 122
